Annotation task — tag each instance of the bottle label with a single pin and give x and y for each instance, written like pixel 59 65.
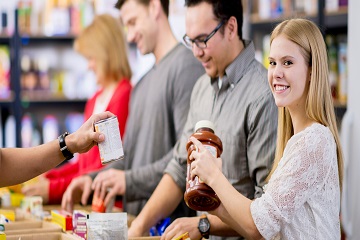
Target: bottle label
pixel 211 149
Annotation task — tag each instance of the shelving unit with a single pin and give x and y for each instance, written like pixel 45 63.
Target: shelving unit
pixel 37 102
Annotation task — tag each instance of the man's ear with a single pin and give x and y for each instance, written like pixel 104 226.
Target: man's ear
pixel 231 28
pixel 155 8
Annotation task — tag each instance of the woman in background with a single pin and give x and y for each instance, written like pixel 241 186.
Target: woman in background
pixel 302 197
pixel 103 44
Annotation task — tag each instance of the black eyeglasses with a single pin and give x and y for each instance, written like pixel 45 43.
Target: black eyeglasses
pixel 201 43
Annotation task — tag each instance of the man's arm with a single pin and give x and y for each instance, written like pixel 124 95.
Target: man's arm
pixel 141 182
pixel 161 204
pixel 21 164
pixel 262 140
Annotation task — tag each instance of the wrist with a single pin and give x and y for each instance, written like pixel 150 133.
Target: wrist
pixel 64 146
pixel 71 143
pixel 204 226
pixel 214 179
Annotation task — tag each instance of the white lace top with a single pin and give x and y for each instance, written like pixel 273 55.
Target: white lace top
pixel 302 198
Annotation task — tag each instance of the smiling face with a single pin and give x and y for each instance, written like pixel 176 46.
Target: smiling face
pixel 200 22
pixel 141 25
pixel 288 74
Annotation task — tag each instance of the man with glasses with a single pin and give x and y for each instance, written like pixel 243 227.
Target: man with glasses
pixel 234 95
pixel 201 43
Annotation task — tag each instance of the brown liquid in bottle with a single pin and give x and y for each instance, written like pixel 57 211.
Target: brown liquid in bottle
pixel 198 195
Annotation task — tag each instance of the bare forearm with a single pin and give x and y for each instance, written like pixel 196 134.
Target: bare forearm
pixel 162 203
pixel 21 164
pixel 219 228
pixel 237 212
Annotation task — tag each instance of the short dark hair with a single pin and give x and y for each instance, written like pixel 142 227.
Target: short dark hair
pixel 223 10
pixel 164 4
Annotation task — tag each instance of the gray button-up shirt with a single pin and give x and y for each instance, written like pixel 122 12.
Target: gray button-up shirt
pixel 245 117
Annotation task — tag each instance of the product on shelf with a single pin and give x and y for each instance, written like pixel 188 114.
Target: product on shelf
pixel 4 72
pixel 50 128
pixel 342 61
pixel 9 133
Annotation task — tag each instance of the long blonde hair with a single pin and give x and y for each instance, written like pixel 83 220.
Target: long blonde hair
pixel 104 40
pixel 319 102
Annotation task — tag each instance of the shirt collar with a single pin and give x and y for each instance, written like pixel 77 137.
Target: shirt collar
pixel 237 68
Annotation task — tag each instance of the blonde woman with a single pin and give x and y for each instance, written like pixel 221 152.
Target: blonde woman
pixel 103 44
pixel 302 197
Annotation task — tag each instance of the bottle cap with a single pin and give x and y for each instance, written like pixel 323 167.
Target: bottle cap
pixel 204 124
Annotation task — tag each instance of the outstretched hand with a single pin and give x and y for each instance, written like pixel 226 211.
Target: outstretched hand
pixel 85 137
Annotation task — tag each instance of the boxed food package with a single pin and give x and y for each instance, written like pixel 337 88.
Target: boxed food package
pixel 79 223
pixel 32 205
pixel 63 218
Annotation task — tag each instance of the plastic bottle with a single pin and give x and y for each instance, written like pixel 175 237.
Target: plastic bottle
pixel 198 195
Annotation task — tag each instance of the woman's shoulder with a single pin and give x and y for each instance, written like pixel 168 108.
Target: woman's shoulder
pixel 318 131
pixel 315 136
pixel 316 140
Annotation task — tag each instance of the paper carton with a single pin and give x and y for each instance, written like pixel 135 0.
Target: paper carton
pixel 43 236
pixel 27 227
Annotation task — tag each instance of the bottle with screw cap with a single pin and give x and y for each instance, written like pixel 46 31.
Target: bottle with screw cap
pixel 198 195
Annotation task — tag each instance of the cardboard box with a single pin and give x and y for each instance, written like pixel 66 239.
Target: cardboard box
pixel 30 227
pixel 43 236
pixel 58 207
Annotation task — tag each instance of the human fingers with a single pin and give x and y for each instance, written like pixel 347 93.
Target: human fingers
pixel 100 116
pixel 105 185
pixel 193 170
pixel 67 202
pixel 96 185
pixel 86 190
pixel 194 155
pixel 28 190
pixel 200 147
pixel 169 232
pixel 110 195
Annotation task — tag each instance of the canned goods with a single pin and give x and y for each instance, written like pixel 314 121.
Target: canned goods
pixel 111 148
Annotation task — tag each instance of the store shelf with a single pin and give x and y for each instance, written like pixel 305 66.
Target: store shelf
pixel 4 39
pixel 8 100
pixel 332 20
pixel 336 20
pixel 66 39
pixel 46 98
